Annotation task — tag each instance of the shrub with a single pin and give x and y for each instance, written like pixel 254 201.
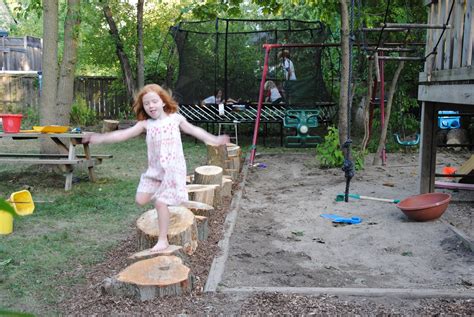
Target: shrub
pixel 81 114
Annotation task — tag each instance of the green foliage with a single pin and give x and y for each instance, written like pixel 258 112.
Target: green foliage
pixel 5 206
pixel 329 152
pixel 330 155
pixel 30 118
pixel 81 114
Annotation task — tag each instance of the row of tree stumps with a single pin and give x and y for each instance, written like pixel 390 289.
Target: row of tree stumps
pixel 157 274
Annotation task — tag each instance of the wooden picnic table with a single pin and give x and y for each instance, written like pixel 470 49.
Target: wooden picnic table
pixel 67 156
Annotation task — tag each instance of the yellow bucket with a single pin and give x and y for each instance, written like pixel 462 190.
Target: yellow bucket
pixel 6 222
pixel 22 202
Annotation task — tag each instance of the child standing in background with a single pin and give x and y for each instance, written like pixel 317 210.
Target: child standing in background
pixel 164 182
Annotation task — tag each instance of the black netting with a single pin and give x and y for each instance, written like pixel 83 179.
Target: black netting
pixel 227 54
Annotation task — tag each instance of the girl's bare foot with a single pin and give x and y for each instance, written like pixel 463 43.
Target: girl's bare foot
pixel 160 246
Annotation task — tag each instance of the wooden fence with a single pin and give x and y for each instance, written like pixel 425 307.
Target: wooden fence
pixel 20 53
pixel 20 90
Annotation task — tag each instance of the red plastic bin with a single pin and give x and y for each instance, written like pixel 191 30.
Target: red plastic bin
pixel 11 122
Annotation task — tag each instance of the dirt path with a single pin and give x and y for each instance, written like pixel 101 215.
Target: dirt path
pixel 281 240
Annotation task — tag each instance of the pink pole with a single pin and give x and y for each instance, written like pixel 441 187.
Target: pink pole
pixel 260 102
pixel 382 105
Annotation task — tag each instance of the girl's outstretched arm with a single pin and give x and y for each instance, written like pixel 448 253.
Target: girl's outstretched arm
pixel 202 134
pixel 115 136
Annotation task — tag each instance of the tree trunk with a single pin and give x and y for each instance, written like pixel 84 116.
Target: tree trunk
pixel 50 69
pixel 65 93
pixel 123 58
pixel 345 56
pixel 388 108
pixel 140 58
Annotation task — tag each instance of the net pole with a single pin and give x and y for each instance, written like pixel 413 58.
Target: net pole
pixel 259 106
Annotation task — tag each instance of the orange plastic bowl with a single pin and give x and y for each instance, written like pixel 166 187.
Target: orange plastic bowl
pixel 425 207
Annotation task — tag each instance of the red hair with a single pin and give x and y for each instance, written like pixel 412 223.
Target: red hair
pixel 171 106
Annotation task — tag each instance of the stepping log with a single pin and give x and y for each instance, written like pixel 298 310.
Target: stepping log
pixel 110 125
pixel 216 155
pixel 203 193
pixel 226 188
pixel 175 250
pixel 182 229
pixel 203 227
pixel 208 175
pixel 198 208
pixel 148 279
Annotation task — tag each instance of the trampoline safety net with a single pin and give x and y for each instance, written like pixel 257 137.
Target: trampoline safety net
pixel 227 54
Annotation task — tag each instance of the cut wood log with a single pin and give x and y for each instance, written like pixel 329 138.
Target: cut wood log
pixel 198 208
pixel 236 162
pixel 208 175
pixel 203 193
pixel 216 155
pixel 148 279
pixel 110 125
pixel 226 188
pixel 189 179
pixel 202 226
pixel 175 250
pixel 233 173
pixel 182 229
pixel 233 149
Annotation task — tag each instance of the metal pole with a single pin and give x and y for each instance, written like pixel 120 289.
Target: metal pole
pixel 260 102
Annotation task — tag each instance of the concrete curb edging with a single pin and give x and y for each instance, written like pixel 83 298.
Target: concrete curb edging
pixel 365 292
pixel 218 264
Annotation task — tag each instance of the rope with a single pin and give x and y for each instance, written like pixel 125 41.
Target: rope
pixel 348 166
pixel 434 51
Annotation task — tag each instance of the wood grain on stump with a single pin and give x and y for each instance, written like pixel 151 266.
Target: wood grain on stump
pixel 198 208
pixel 216 155
pixel 148 279
pixel 208 175
pixel 175 250
pixel 182 229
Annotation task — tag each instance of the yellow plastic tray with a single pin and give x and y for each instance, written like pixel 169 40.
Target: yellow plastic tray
pixel 51 129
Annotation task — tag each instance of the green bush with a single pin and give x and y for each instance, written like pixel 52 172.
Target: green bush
pixel 81 114
pixel 330 155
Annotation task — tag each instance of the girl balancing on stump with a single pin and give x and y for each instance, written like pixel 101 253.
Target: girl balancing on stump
pixel 164 182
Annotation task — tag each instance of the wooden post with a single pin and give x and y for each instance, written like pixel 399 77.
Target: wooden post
pixel 427 148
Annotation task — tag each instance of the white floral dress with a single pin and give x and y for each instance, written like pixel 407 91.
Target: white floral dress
pixel 166 173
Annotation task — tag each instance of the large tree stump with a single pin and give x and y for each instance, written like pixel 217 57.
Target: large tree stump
pixel 175 250
pixel 148 279
pixel 203 193
pixel 182 229
pixel 198 208
pixel 110 125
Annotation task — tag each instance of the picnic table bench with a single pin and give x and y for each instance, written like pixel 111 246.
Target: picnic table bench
pixel 67 157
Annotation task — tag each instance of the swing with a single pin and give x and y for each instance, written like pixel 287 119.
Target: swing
pixel 406 142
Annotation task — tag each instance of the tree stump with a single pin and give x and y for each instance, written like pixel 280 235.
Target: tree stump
pixel 182 229
pixel 216 155
pixel 110 125
pixel 198 208
pixel 203 193
pixel 208 175
pixel 148 279
pixel 175 250
pixel 226 188
pixel 233 149
pixel 203 227
pixel 457 136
